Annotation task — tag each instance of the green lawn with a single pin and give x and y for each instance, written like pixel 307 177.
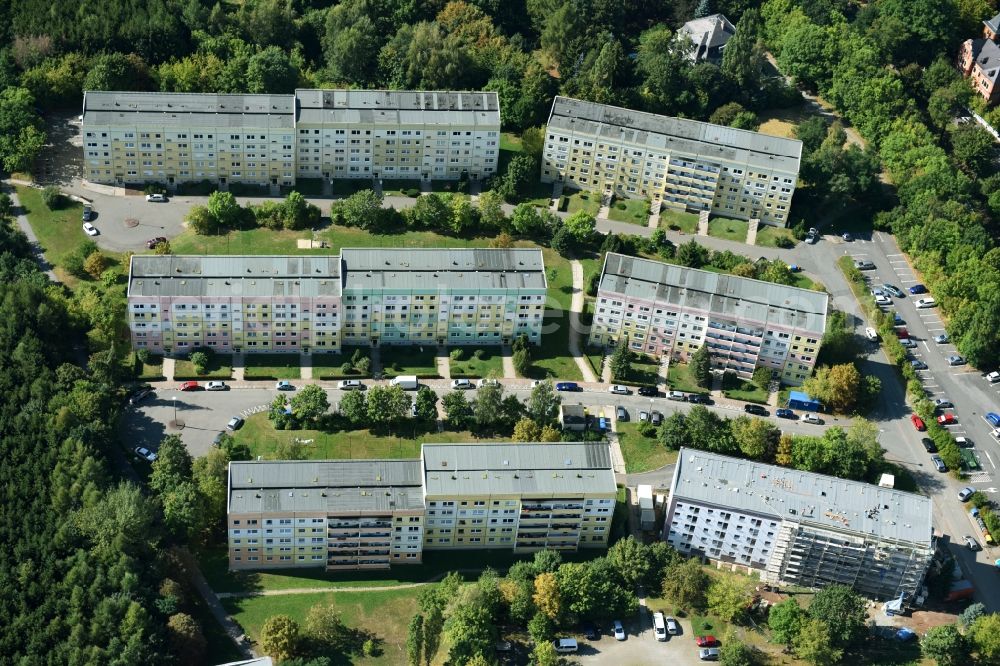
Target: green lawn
pixel 537 194
pixel 644 370
pixel 152 370
pixel 679 378
pixel 635 211
pixel 583 200
pixel 328 366
pixel 551 359
pixel 510 141
pixel 250 241
pixel 398 188
pixel 595 355
pixel 739 389
pixel 489 365
pixel 263 440
pixel 220 366
pixel 679 220
pixel 767 236
pixel 734 230
pixel 272 366
pixel 409 360
pixel 641 454
pixel 383 615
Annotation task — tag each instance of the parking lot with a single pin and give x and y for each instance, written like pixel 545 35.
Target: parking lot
pixel 640 647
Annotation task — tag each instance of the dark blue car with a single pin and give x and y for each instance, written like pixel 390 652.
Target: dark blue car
pixel 918 289
pixel 784 413
pixel 993 418
pixel 567 386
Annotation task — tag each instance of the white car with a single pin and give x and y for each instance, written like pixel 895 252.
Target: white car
pixel 216 386
pixel 618 389
pixel 619 630
pixel 993 377
pixel 883 300
pixel 811 418
pixel 925 303
pixel 145 454
pixel 156 198
pixel 871 334
pixel 89 229
pixel 461 384
pixel 350 385
pixel 487 381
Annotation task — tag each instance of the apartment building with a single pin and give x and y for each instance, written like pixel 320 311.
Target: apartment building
pixel 668 310
pixel 682 164
pixel 431 135
pixel 302 304
pixel 172 138
pixel 442 296
pixel 799 528
pixel 979 61
pixel 369 514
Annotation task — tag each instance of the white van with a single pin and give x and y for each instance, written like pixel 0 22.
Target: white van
pixel 659 627
pixel 565 645
pixel 406 382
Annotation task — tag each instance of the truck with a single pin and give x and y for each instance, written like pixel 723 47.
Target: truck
pixel 406 382
pixel 647 512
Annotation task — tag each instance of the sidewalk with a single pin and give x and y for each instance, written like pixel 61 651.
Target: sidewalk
pixel 229 625
pixel 508 363
pixel 575 328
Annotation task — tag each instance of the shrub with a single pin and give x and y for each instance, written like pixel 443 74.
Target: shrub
pixel 646 429
pixel 53 198
pixel 412 192
pixel 346 367
pixel 621 205
pixel 200 361
pixel 479 354
pixel 457 354
pixel 364 364
pixel 143 355
pixel 95 264
pixel 784 242
pixel 371 648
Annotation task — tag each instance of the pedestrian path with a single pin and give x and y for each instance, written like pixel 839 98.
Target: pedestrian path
pixel 239 367
pixel 605 370
pixel 508 363
pixel 443 363
pixel 575 327
pixel 305 366
pixel 168 368
pixel 231 627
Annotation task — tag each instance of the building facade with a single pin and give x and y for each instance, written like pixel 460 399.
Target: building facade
pixel 407 134
pixel 668 310
pixel 682 164
pixel 301 304
pixel 175 138
pixel 799 528
pixel 358 514
pixel 979 60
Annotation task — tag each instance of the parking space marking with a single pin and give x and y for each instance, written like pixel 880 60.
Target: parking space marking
pixel 990 459
pixel 896 255
pixel 909 280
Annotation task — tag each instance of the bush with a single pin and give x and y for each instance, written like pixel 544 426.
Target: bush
pixel 457 354
pixel 346 368
pixel 53 198
pixel 621 205
pixel 646 429
pixel 199 360
pixel 784 242
pixel 371 648
pixel 479 354
pixel 412 192
pixel 155 188
pixel 143 355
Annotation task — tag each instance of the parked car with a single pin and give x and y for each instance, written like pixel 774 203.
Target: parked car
pixel 88 212
pixel 656 418
pixel 877 291
pixel 965 493
pixel 955 359
pixel 216 386
pixel 925 302
pixel 643 416
pixel 284 385
pixel 811 239
pixel 89 229
pixel 590 631
pixel 784 413
pixel 971 543
pixel 672 627
pixel 153 242
pixel 461 384
pixel 943 403
pixel 618 389
pixel 756 410
pixel 699 399
pixel 939 463
pixel 897 320
pixel 864 265
pixel 871 334
pixel 350 385
pixel 705 641
pixel 929 445
pixel 941 339
pixel 156 198
pixel 235 423
pixel 993 418
pixel 883 300
pixel 918 289
pixel 145 454
pixel 659 628
pixel 618 630
pixel 993 377
pixel 648 391
pixel 917 364
pixel 894 290
pixel 847 237
pixel 621 413
pixel 918 423
pixel 676 395
pixel 963 442
pixel 565 645
pixel 708 654
pixel 568 386
pixel 947 419
pixel 909 343
pixel 140 395
pixel 811 418
pixel 190 386
pixel 488 381
pixel 901 332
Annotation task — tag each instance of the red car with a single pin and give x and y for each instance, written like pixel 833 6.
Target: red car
pixel 947 419
pixel 918 422
pixel 190 386
pixel 901 332
pixel 705 641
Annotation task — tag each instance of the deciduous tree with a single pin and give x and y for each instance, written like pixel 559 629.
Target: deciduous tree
pixel 945 645
pixel 685 583
pixel 186 638
pixel 353 406
pixel 546 597
pixel 815 644
pixel 279 637
pixel 785 620
pixel 310 402
pixel 843 610
pixel 728 596
pixel 457 410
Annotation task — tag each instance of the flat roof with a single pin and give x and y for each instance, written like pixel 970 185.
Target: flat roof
pixel 705 140
pixel 234 275
pixel 738 298
pixel 187 110
pixel 397 107
pixel 572 469
pixel 331 486
pixel 802 497
pixel 443 268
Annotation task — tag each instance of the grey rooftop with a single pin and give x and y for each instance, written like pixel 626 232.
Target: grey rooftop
pixel 533 470
pixel 392 107
pixel 330 486
pixel 443 268
pixel 803 497
pixel 693 137
pixel 187 110
pixel 742 299
pixel 234 276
